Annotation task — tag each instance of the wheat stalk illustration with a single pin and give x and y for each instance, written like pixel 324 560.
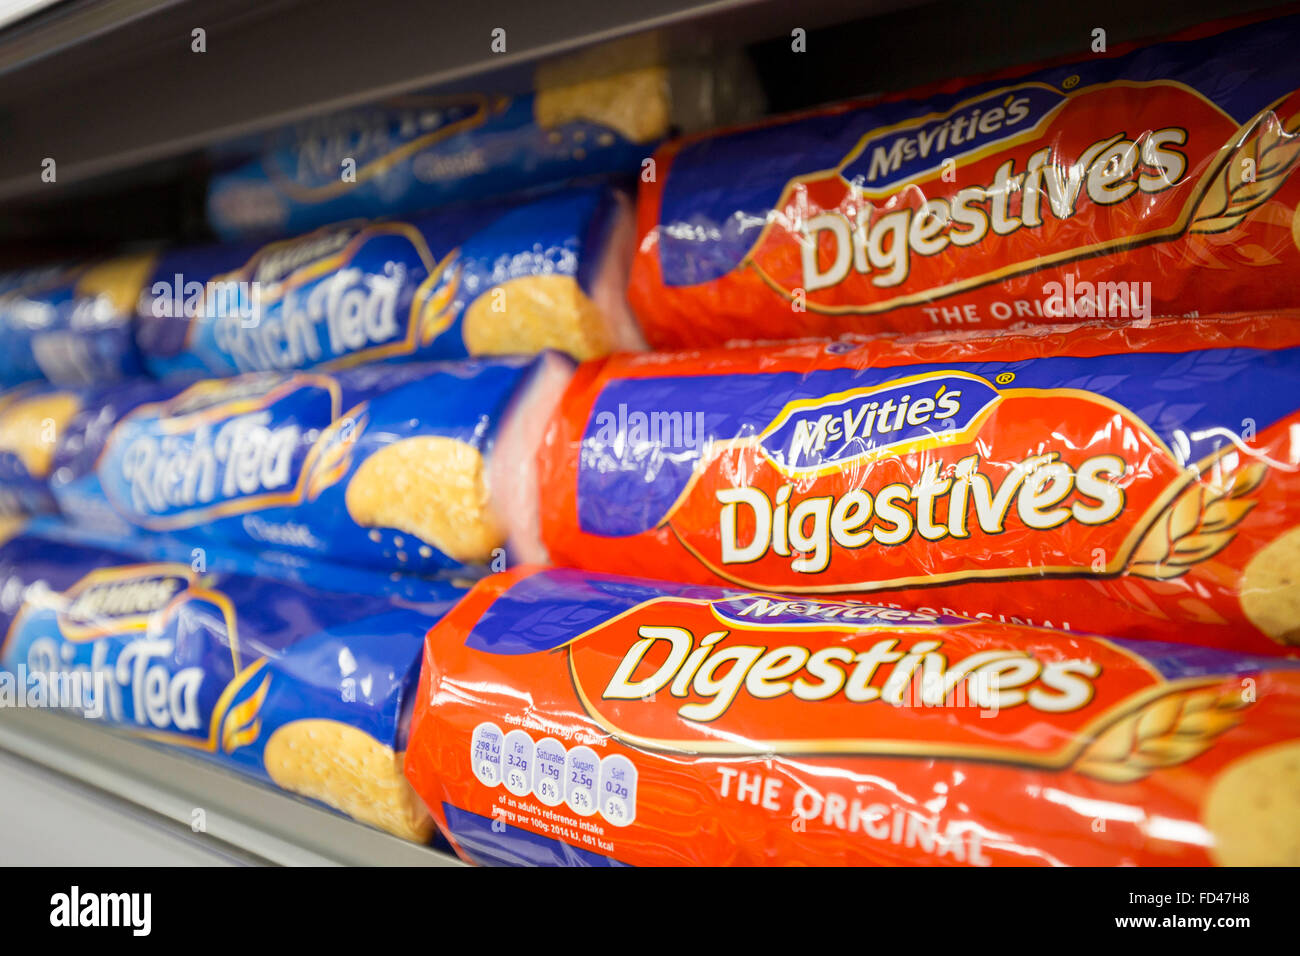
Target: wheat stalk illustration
pixel 335 458
pixel 1196 525
pixel 1168 731
pixel 437 310
pixel 243 724
pixel 1266 151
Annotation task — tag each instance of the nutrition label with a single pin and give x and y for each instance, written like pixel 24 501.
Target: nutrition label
pixel 578 778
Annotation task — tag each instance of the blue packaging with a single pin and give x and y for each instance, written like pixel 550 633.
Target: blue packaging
pixel 420 467
pixel 305 689
pixel 208 556
pixel 426 150
pixel 481 279
pixel 73 324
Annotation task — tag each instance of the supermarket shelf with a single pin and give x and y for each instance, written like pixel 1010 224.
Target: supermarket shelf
pixel 110 90
pixel 46 27
pixel 157 791
pixel 53 820
pixel 115 98
pixel 11 11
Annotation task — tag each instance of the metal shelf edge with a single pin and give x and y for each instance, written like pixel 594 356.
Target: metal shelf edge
pixel 255 819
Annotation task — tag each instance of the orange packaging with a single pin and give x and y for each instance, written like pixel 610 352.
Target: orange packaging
pixel 1127 182
pixel 1136 482
pixel 577 718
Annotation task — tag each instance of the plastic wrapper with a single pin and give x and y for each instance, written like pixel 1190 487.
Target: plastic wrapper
pixel 50 437
pixel 548 271
pixel 30 416
pixel 72 325
pixel 575 718
pixel 208 556
pixel 303 689
pixel 1148 180
pixel 420 467
pixel 1138 482
pixel 598 112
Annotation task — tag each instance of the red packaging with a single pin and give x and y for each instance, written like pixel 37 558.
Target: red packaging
pixel 1138 482
pixel 577 718
pixel 1127 183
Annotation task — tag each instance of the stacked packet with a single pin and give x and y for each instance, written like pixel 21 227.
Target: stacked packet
pixel 996 565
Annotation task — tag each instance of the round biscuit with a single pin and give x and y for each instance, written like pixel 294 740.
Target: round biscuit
pixel 1270 588
pixel 1253 809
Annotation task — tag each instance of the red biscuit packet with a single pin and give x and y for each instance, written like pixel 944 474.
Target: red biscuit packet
pixel 576 718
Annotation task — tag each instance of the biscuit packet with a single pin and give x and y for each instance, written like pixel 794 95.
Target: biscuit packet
pixel 208 556
pixel 515 278
pixel 72 324
pixel 304 689
pixel 421 467
pixel 576 718
pixel 1137 482
pixel 32 418
pixel 595 113
pixel 1137 182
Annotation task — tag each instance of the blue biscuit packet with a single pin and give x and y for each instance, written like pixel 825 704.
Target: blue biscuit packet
pixel 50 438
pixel 424 150
pixel 21 318
pixel 49 435
pixel 30 416
pixel 72 324
pixel 421 467
pixel 305 689
pixel 487 279
pixel 207 556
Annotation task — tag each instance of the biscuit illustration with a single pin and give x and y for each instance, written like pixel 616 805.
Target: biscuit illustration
pixel 349 770
pixel 1253 809
pixel 430 487
pixel 30 428
pixel 531 313
pixel 1270 588
pixel 635 104
pixel 118 281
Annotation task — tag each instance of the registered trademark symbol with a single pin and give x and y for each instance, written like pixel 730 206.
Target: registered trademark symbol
pixel 1006 378
pixel 1070 82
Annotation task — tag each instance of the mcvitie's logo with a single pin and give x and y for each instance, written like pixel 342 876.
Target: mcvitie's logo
pixel 838 429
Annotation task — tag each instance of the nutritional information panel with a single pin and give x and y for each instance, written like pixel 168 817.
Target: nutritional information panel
pixel 555 775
